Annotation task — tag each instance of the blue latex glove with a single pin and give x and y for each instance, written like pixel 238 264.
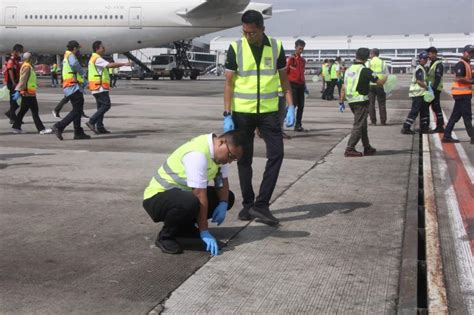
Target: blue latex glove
pixel 342 107
pixel 228 123
pixel 219 212
pixel 211 243
pixel 16 95
pixel 290 116
pixel 85 84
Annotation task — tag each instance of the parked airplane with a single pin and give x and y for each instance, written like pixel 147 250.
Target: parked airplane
pixel 46 26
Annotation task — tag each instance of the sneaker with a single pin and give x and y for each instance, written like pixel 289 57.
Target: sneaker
pixel 407 131
pixel 56 114
pixel 449 140
pixel 438 129
pixel 102 130
pixel 373 123
pixel 264 215
pixel 352 153
pixel 46 131
pixel 91 127
pixel 17 131
pixel 383 123
pixel 299 128
pixel 168 245
pixel 244 215
pixel 285 135
pixel 57 132
pixel 472 140
pixel 370 151
pixel 84 115
pixel 81 136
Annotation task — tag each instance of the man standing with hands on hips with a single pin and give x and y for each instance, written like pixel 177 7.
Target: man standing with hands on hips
pixel 255 68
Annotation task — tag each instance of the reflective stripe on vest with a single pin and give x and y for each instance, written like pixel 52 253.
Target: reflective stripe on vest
pixel 415 89
pixel 351 80
pixel 463 88
pixel 256 85
pixel 430 77
pixel 31 83
pixel 70 78
pixel 97 80
pixel 172 173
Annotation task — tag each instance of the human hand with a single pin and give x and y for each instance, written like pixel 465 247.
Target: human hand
pixel 228 123
pixel 290 116
pixel 219 213
pixel 211 243
pixel 16 95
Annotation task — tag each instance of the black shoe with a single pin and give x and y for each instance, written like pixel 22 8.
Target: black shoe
pixel 449 140
pixel 299 128
pixel 427 131
pixel 57 132
pixel 285 135
pixel 81 136
pixel 91 127
pixel 102 130
pixel 84 115
pixel 383 123
pixel 438 129
pixel 168 245
pixel 352 153
pixel 407 131
pixel 244 215
pixel 56 114
pixel 373 123
pixel 264 215
pixel 370 151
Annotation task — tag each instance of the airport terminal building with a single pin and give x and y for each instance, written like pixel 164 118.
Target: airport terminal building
pixel 399 50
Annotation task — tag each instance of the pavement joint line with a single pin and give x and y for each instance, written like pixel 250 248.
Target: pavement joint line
pixel 437 299
pixel 464 260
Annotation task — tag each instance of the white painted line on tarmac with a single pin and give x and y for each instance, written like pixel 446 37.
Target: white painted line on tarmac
pixel 437 299
pixel 464 259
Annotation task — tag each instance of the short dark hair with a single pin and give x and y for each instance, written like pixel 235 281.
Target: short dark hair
pixel 338 58
pixel 362 53
pixel 300 42
pixel 253 17
pixel 234 137
pixel 96 45
pixel 72 44
pixel 375 51
pixel 432 49
pixel 325 60
pixel 18 47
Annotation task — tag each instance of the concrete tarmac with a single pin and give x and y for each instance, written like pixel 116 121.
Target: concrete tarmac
pixel 75 238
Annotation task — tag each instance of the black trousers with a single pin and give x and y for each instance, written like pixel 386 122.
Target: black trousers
pixel 462 108
pixel 177 208
pixel 29 102
pixel 270 129
pixel 74 116
pixel 436 106
pixel 13 105
pixel 418 105
pixel 327 91
pixel 103 105
pixel 298 100
pixel 62 102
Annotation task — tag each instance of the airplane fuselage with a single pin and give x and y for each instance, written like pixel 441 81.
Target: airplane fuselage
pixel 46 26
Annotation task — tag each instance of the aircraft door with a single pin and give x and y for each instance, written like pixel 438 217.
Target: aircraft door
pixel 10 17
pixel 135 17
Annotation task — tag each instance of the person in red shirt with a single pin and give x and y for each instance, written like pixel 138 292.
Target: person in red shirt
pixel 11 77
pixel 295 69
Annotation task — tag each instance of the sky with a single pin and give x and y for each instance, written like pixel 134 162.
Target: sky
pixel 366 17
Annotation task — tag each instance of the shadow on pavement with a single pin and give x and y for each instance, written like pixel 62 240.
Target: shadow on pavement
pixel 319 210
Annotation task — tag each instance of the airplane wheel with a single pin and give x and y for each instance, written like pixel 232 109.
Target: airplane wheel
pixel 155 77
pixel 194 75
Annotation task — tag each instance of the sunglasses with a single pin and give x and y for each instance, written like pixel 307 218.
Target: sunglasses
pixel 230 155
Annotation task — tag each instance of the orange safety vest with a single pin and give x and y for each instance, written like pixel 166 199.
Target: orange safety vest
pixel 96 80
pixel 31 83
pixel 70 78
pixel 459 88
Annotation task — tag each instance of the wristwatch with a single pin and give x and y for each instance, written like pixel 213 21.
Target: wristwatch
pixel 226 113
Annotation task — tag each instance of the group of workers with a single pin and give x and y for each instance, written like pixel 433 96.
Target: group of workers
pixel 22 83
pixel 263 89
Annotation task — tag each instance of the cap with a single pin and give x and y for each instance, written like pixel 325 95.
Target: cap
pixel 423 55
pixel 468 48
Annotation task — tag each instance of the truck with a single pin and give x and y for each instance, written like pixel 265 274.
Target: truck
pixel 169 66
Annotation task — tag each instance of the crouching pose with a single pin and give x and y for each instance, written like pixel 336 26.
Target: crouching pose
pixel 179 194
